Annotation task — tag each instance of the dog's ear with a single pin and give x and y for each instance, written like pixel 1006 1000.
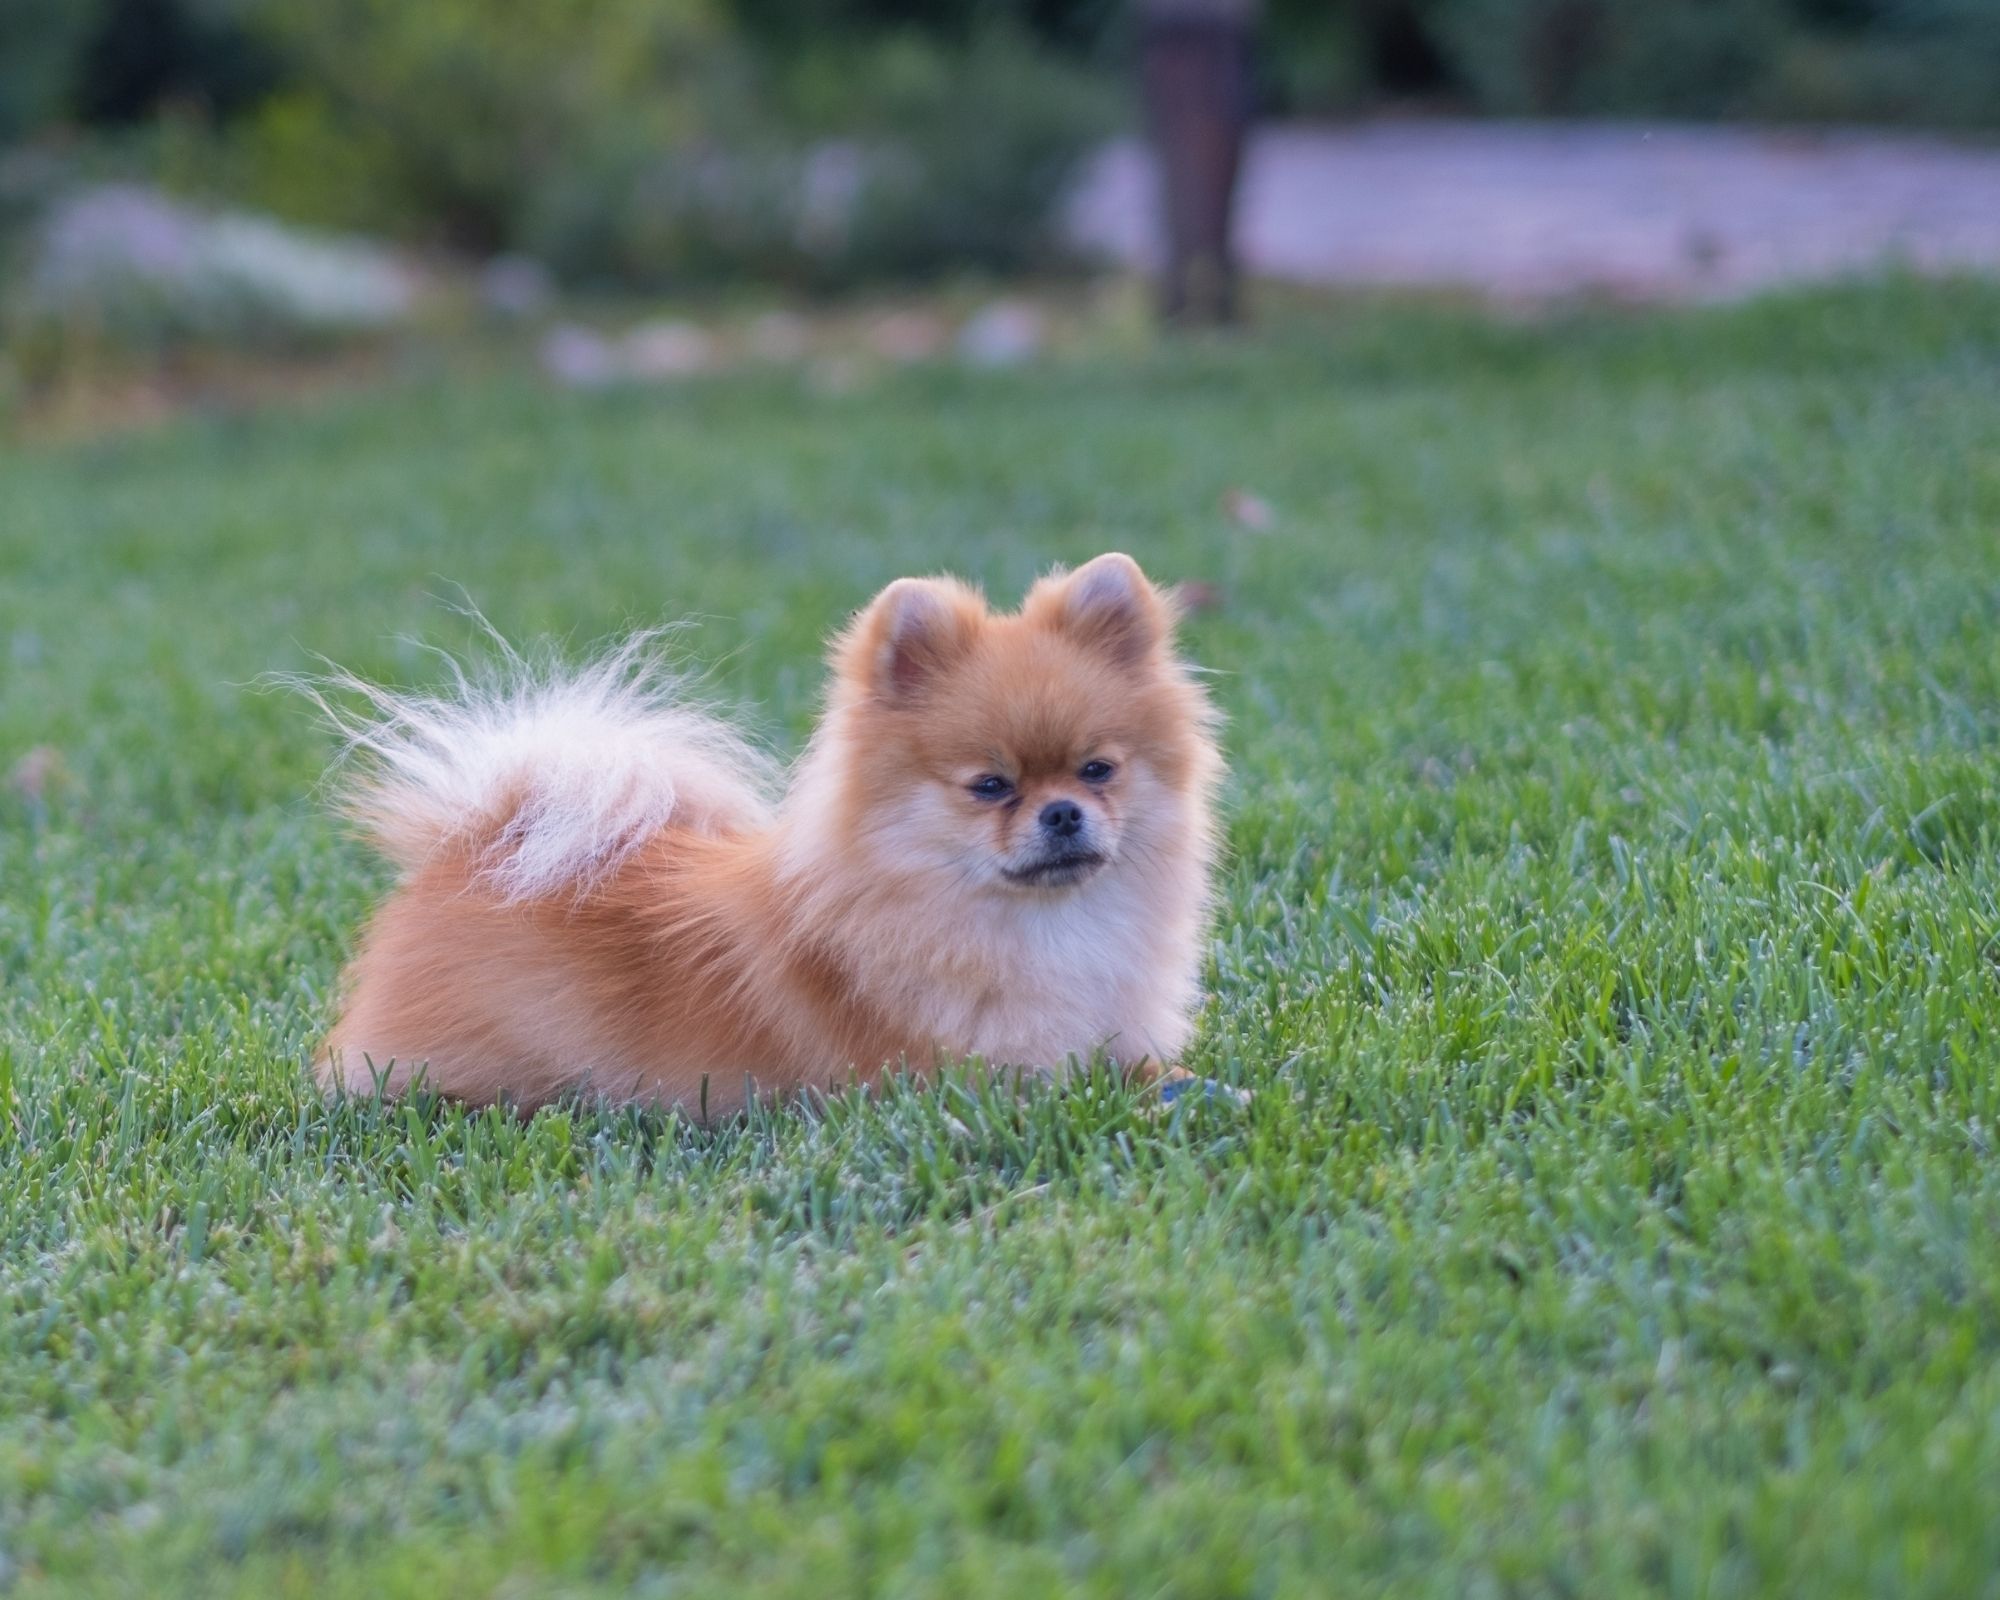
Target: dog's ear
pixel 1107 603
pixel 907 634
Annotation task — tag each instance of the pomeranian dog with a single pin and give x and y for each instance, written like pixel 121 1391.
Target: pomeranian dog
pixel 998 844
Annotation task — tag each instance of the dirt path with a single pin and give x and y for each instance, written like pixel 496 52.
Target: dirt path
pixel 1526 211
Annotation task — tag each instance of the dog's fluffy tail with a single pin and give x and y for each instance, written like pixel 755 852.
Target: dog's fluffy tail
pixel 546 778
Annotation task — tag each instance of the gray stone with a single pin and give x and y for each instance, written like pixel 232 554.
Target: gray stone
pixel 1002 334
pixel 656 350
pixel 578 358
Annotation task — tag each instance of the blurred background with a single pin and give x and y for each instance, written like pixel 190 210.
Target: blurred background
pixel 645 189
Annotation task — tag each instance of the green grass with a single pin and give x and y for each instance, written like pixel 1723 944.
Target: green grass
pixel 1610 934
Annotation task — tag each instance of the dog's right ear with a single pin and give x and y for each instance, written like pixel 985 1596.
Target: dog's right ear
pixel 909 632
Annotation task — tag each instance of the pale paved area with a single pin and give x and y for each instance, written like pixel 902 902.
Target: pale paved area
pixel 1521 211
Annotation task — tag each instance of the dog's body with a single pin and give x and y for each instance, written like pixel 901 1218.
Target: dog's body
pixel 998 844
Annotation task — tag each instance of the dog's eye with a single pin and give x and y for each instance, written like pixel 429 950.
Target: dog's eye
pixel 1096 771
pixel 991 787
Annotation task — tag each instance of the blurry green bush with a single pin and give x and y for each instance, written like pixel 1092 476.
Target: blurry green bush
pixel 442 118
pixel 972 150
pixel 1676 58
pixel 1918 61
pixel 1933 62
pixel 1926 61
pixel 41 43
pixel 953 157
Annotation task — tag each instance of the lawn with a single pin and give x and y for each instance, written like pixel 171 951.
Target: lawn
pixel 1611 936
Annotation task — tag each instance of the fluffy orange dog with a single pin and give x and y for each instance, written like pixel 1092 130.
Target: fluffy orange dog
pixel 998 844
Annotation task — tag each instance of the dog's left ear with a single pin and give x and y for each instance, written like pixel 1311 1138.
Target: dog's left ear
pixel 1107 603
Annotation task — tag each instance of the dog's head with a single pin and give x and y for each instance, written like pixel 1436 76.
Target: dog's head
pixel 1023 755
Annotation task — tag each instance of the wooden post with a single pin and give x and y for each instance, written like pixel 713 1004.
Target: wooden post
pixel 1194 69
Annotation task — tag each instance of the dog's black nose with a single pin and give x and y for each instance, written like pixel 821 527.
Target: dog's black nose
pixel 1062 818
